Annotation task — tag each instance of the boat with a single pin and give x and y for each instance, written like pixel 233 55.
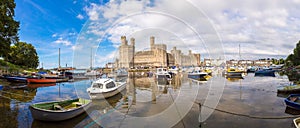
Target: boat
pixel 208 71
pixel 174 70
pixel 40 81
pixel 163 73
pixel 59 110
pixel 1 87
pixel 276 67
pixel 265 72
pixel 62 79
pixel 293 101
pixel 18 79
pixel 92 73
pixel 197 74
pixel 105 88
pixel 251 69
pixel 289 89
pixel 233 72
pixel 297 122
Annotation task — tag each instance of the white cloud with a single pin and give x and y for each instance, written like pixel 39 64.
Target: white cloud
pixel 54 35
pixel 261 27
pixel 79 16
pixel 64 42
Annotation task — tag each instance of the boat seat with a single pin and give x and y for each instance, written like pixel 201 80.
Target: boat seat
pixel 56 106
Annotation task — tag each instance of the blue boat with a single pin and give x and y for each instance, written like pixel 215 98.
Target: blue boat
pixel 265 72
pixel 1 87
pixel 16 79
pixel 293 101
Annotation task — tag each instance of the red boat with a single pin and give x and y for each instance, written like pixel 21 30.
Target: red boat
pixel 41 81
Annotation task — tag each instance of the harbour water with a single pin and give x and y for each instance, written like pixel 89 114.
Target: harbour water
pixel 248 102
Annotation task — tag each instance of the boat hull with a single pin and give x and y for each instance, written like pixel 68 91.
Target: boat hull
pixel 41 81
pixel 297 122
pixel 16 79
pixel 265 73
pixel 104 95
pixel 43 115
pixel 292 89
pixel 196 76
pixel 292 104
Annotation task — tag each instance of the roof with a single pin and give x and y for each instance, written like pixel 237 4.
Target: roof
pixel 102 80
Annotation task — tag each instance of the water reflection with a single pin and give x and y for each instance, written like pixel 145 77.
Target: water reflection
pixel 292 111
pixel 144 96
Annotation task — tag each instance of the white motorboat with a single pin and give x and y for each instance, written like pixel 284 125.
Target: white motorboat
pixel 105 88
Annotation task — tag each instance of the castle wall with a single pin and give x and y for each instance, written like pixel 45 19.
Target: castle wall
pixel 157 56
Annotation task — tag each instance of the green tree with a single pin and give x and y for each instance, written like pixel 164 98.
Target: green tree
pixel 24 54
pixel 8 26
pixel 294 58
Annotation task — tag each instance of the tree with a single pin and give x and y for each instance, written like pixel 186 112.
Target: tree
pixel 24 54
pixel 8 26
pixel 294 58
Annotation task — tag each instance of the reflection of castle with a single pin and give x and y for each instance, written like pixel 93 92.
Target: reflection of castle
pixel 155 57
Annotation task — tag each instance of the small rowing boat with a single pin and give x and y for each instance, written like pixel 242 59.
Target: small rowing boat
pixel 59 110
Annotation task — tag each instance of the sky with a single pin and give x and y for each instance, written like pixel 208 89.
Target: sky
pixel 88 30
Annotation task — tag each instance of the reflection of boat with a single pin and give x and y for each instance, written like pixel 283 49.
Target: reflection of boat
pixel 41 81
pixel 70 123
pixel 40 85
pixel 289 89
pixel 293 101
pixel 234 79
pixel 291 111
pixel 104 88
pixel 297 122
pixel 265 72
pixel 59 110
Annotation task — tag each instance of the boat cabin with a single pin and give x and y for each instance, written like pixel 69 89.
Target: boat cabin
pixel 104 84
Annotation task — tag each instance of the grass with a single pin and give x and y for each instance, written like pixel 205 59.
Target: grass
pixel 11 68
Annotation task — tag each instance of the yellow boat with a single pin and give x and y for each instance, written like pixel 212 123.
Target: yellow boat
pixel 233 72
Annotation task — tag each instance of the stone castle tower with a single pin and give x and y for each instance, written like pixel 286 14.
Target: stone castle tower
pixel 157 56
pixel 126 53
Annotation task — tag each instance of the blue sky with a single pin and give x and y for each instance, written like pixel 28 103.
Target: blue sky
pixel 263 28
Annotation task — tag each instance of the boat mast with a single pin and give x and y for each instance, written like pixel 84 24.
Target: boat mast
pixel 239 51
pixel 58 57
pixel 91 66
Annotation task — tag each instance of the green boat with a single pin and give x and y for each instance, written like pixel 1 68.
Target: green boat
pixel 59 110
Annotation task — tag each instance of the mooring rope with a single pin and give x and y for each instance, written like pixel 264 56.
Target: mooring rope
pixel 247 115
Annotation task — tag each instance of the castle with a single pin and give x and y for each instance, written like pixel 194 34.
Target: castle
pixel 157 56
